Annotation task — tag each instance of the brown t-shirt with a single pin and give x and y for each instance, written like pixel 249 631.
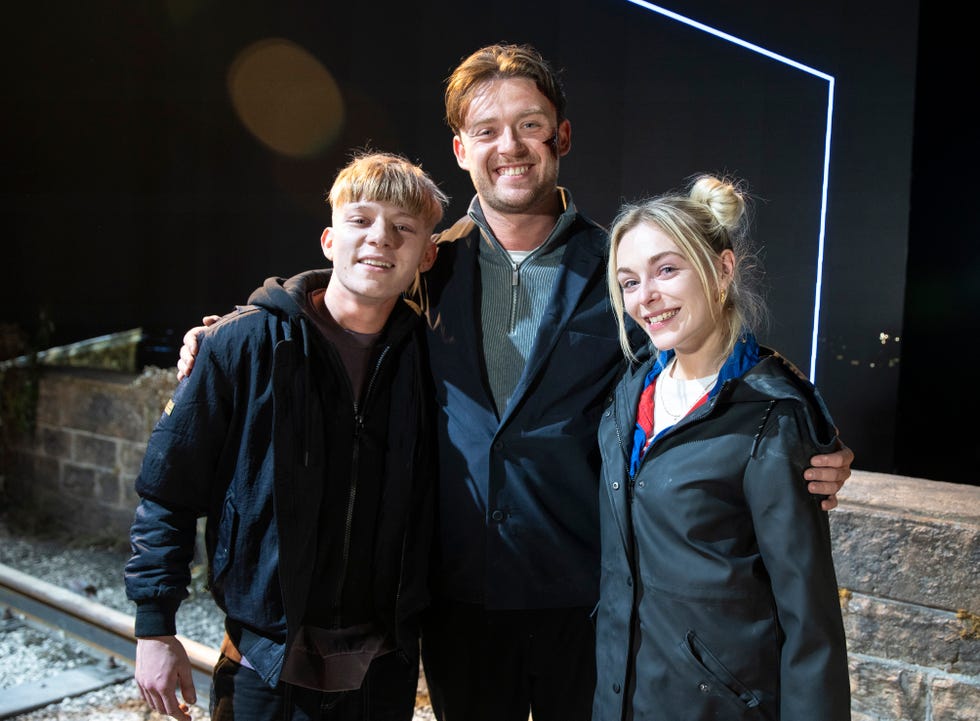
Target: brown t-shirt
pixel 336 658
pixel 356 349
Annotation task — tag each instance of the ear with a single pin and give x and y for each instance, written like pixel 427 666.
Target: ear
pixel 564 133
pixel 428 256
pixel 459 150
pixel 326 243
pixel 727 258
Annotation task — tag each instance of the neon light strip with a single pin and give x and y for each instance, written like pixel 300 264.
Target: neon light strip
pixel 826 152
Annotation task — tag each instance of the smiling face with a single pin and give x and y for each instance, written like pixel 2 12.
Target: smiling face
pixel 510 144
pixel 663 292
pixel 376 248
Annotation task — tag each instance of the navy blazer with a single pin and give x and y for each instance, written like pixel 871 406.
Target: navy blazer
pixel 518 493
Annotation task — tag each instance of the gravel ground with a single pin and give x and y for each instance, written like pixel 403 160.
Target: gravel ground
pixel 96 573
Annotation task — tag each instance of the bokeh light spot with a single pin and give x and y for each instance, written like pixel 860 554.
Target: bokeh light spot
pixel 286 98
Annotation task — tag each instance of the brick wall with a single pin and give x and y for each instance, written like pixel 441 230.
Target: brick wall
pixel 907 550
pixel 77 471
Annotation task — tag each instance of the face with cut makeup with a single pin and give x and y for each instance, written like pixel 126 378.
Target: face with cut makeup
pixel 511 143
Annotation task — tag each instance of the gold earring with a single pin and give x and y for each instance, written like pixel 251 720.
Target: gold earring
pixel 723 295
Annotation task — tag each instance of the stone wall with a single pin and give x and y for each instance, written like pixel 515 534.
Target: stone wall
pixel 907 553
pixel 907 550
pixel 76 472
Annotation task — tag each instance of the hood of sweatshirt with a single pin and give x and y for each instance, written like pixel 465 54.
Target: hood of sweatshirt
pixel 287 298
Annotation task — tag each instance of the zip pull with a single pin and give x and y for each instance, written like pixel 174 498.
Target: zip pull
pixel 372 378
pixel 515 276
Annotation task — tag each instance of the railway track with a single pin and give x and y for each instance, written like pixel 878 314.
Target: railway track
pixel 106 634
pixel 109 652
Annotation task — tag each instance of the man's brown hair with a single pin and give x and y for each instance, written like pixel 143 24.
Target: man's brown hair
pixel 499 61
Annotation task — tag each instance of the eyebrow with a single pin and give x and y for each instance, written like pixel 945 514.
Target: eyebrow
pixel 488 120
pixel 401 211
pixel 653 259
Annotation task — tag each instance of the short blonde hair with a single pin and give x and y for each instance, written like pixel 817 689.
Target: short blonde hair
pixel 389 178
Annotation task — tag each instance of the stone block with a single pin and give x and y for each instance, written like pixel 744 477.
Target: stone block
pixel 955 699
pixel 129 497
pixel 104 402
pixel 909 540
pixel 887 692
pixel 53 442
pixel 95 450
pixel 107 488
pixel 154 388
pixel 906 633
pixel 912 497
pixel 78 481
pixel 131 457
pixel 50 401
pixel 105 409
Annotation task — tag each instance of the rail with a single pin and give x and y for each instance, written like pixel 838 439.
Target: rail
pixel 107 631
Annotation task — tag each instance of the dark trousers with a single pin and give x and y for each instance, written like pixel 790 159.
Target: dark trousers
pixel 387 694
pixel 485 665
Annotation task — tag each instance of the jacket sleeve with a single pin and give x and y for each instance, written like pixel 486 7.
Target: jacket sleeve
pixel 175 485
pixel 794 540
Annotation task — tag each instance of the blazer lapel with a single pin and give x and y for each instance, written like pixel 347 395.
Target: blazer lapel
pixel 579 265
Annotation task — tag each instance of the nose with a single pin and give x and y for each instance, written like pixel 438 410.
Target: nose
pixel 380 233
pixel 651 291
pixel 510 141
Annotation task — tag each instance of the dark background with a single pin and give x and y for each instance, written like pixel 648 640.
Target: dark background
pixel 162 158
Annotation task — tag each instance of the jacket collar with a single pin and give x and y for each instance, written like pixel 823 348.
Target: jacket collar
pixel 565 220
pixel 743 357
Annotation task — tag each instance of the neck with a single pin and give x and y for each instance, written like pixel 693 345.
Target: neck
pixel 701 363
pixel 355 314
pixel 522 231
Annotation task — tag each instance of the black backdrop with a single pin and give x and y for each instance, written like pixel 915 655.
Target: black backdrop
pixel 162 158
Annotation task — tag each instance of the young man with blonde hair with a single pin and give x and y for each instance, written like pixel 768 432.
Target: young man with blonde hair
pixel 304 439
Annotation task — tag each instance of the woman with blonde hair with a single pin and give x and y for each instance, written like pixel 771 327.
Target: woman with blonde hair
pixel 718 596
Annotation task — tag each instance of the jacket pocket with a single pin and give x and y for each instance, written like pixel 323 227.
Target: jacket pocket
pixel 227 531
pixel 712 677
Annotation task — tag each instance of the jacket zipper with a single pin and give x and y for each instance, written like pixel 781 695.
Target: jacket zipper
pixel 629 671
pixel 622 447
pixel 629 682
pixel 515 283
pixel 396 626
pixel 355 461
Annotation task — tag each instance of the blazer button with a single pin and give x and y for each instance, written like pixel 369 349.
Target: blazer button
pixel 704 687
pixel 497 515
pixel 616 688
pixel 498 445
